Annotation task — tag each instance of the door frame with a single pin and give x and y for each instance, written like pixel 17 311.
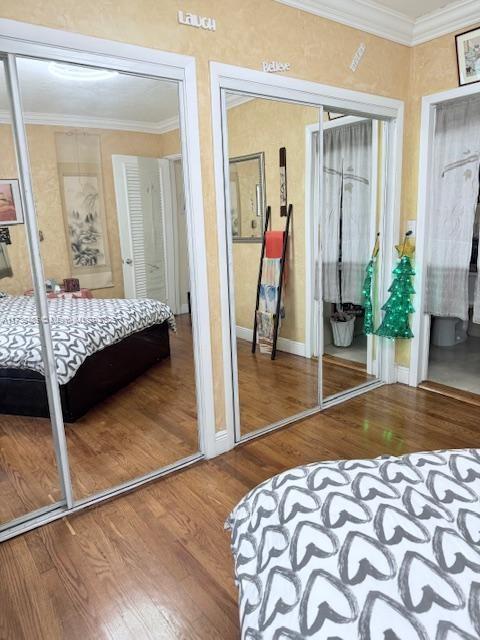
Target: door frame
pixel 312 347
pixel 420 344
pixel 260 84
pixel 23 39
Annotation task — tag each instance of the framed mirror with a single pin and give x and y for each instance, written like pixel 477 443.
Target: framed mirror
pixel 248 200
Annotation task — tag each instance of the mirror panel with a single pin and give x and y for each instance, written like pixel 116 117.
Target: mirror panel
pixel 29 481
pixel 247 197
pixel 269 390
pixel 106 160
pixel 350 226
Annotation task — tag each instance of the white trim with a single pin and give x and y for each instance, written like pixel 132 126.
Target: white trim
pixel 403 374
pixel 283 344
pixel 223 442
pixel 453 17
pixel 361 14
pixel 44 43
pixel 94 122
pixel 373 17
pixel 421 321
pixel 270 86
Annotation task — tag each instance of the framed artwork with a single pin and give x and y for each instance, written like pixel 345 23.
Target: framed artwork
pixel 79 167
pixel 85 228
pixel 334 116
pixel 11 211
pixel 468 56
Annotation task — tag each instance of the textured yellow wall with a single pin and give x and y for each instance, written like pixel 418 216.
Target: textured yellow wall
pixel 43 158
pixel 248 32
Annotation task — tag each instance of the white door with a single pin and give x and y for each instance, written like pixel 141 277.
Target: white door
pixel 146 225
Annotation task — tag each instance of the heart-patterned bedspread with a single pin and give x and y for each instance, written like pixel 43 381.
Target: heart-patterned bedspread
pixel 383 549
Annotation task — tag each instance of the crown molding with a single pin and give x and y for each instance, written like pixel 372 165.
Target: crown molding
pixel 446 20
pixel 371 17
pixel 92 122
pixel 365 15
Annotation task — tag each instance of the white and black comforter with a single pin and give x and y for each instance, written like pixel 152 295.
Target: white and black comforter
pixel 79 327
pixel 384 549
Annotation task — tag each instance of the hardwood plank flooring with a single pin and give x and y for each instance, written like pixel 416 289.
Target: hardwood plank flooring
pixel 156 564
pixel 272 390
pixel 150 423
pixel 452 392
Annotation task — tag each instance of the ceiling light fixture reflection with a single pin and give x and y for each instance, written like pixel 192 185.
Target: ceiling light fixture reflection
pixel 74 72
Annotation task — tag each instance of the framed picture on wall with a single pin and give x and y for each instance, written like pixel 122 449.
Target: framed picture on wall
pixel 468 56
pixel 11 211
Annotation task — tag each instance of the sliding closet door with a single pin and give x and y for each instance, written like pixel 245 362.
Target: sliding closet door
pixel 351 239
pixel 124 355
pixel 266 172
pixel 29 480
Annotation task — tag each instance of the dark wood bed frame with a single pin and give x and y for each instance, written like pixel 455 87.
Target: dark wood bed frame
pixel 23 392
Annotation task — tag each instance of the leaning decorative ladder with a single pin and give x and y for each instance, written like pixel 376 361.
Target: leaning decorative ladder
pixel 280 284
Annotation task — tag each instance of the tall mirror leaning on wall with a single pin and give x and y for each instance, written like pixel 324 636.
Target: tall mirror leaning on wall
pixel 277 373
pixel 106 162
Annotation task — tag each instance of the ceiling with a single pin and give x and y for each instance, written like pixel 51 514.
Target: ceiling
pixel 408 22
pixel 124 101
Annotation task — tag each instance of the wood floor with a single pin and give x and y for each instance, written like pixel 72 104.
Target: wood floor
pixel 149 424
pixel 156 564
pixel 272 390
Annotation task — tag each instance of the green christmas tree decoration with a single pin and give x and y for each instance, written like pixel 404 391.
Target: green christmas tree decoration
pixel 367 298
pixel 396 322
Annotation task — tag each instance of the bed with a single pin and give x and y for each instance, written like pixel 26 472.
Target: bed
pixel 99 345
pixel 383 549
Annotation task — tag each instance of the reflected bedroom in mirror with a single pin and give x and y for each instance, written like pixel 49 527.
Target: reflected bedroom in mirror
pixel 105 151
pixel 277 378
pixel 288 304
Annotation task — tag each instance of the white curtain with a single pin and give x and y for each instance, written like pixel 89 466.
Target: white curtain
pixel 347 210
pixel 454 195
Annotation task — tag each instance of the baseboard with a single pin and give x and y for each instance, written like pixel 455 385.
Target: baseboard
pixel 222 442
pixel 403 374
pixel 283 344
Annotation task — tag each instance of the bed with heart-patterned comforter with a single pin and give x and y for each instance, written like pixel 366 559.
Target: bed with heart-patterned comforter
pixel 383 549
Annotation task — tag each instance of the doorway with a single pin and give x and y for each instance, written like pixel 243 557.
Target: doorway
pixel 446 347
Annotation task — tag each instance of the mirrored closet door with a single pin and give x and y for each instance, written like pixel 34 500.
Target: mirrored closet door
pixel 351 240
pixel 29 479
pixel 106 162
pixel 305 198
pixel 277 378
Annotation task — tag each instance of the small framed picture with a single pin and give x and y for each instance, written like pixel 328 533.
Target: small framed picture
pixel 11 211
pixel 334 116
pixel 468 56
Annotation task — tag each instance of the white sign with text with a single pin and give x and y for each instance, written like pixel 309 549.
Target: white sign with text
pixel 274 66
pixel 200 22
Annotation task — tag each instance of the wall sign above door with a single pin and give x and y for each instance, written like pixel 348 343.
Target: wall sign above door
pixel 200 22
pixel 274 66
